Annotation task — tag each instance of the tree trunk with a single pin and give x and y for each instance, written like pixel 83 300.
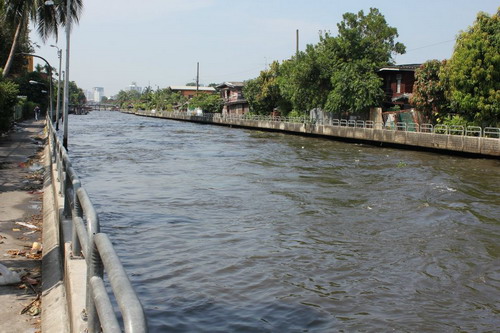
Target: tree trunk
pixel 10 59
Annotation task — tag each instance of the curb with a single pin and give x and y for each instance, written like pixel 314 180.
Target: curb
pixel 55 317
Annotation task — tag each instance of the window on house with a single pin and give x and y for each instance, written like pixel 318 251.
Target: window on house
pixel 398 87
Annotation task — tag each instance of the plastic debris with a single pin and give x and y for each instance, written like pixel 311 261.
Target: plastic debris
pixel 27 225
pixel 37 247
pixel 7 276
pixel 33 309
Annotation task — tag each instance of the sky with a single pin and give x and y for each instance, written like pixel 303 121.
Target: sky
pixel 158 43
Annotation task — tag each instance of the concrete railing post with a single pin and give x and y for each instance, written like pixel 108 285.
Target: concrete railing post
pixel 94 268
pixel 77 212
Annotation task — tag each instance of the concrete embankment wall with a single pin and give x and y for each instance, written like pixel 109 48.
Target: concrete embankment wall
pixel 488 147
pixel 63 283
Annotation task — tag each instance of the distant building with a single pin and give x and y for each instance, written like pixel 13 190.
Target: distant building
pixel 234 101
pixel 398 84
pixel 190 91
pixel 98 94
pixel 134 87
pixel 89 95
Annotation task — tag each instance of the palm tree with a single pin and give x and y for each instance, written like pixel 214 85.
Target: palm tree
pixel 47 19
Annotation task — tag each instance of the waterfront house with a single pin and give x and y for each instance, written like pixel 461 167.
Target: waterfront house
pixel 234 101
pixel 398 85
pixel 191 91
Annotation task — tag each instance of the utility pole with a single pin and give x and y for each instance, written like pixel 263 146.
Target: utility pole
pixel 59 55
pixel 297 48
pixel 66 82
pixel 197 77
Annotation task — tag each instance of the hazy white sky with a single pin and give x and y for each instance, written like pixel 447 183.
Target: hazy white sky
pixel 159 42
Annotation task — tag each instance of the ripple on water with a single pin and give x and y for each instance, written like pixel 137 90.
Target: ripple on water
pixel 227 230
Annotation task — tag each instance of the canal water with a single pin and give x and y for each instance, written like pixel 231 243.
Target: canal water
pixel 230 230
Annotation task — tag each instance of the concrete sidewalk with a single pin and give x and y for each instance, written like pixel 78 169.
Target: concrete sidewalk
pixel 21 184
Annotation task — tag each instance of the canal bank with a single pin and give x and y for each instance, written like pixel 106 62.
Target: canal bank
pixel 47 284
pixel 35 300
pixel 469 142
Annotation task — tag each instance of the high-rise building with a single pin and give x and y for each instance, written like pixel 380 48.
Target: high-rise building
pixel 134 86
pixel 98 94
pixel 89 95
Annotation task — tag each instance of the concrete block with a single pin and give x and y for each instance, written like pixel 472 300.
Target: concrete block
pixel 439 141
pixel 490 146
pixel 471 144
pixel 455 142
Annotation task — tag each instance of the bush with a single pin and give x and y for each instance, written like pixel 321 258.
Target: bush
pixel 453 120
pixel 28 109
pixel 8 98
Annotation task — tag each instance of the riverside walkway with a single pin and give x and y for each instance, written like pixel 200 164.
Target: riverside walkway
pixel 52 255
pixel 453 139
pixel 21 196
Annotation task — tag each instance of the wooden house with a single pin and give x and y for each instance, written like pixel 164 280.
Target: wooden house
pixel 234 101
pixel 398 85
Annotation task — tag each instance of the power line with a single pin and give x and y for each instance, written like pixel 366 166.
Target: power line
pixel 430 45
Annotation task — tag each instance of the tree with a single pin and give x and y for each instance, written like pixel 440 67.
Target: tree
pixel 355 88
pixel 76 94
pixel 429 90
pixel 127 98
pixel 8 98
pixel 211 103
pixel 23 45
pixel 473 72
pixel 304 82
pixel 364 44
pixel 366 37
pixel 33 92
pixel 339 73
pixel 263 93
pixel 18 13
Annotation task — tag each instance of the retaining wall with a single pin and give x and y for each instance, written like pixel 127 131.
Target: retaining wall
pixel 434 141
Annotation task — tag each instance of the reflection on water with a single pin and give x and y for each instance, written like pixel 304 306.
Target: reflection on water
pixel 228 230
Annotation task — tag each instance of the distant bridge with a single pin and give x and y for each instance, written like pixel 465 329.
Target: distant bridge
pixel 102 106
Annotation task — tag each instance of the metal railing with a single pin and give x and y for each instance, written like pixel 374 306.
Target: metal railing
pixel 99 254
pixel 487 132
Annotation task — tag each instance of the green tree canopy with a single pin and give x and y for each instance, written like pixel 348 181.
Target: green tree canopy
pixel 473 72
pixel 8 98
pixel 429 90
pixel 76 94
pixel 364 44
pixel 355 88
pixel 339 73
pixel 263 93
pixel 207 102
pixel 304 80
pixel 47 19
pixel 366 37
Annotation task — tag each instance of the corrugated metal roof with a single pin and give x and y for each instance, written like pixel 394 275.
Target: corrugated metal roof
pixel 232 84
pixel 407 67
pixel 192 88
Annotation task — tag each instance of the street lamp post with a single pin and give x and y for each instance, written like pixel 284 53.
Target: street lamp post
pixel 33 82
pixel 59 55
pixel 50 81
pixel 66 82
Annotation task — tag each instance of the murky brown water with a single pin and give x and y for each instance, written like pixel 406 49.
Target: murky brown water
pixel 229 230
